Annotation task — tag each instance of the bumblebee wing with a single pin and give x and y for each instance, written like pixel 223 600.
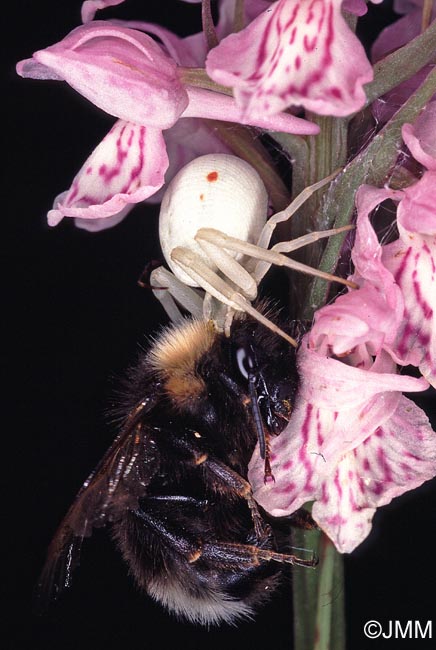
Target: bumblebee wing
pixel 118 481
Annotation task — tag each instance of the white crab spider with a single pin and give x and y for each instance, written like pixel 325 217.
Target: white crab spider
pixel 223 191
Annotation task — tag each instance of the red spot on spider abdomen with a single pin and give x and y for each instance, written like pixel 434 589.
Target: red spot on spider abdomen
pixel 212 177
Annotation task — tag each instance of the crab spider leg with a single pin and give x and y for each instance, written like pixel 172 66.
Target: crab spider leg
pixel 272 257
pixel 304 240
pixel 198 270
pixel 232 269
pixel 283 215
pixel 262 268
pixel 175 291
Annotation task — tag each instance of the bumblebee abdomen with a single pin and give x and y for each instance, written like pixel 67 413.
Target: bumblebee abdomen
pixel 195 579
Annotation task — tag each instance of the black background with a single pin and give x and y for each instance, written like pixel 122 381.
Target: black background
pixel 75 318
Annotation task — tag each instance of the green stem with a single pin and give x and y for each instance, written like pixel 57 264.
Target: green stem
pixel 326 152
pixel 296 148
pixel 318 596
pixel 330 614
pixel 402 64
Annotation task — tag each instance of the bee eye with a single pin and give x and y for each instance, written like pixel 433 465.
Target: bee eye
pixel 245 362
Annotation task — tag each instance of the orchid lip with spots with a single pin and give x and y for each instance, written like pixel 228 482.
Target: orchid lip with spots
pixel 353 443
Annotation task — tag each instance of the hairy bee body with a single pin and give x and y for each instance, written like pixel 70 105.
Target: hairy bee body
pixel 173 486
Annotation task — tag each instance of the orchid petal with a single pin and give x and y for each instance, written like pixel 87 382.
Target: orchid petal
pixel 217 106
pixel 356 7
pixel 367 251
pixel 126 168
pixel 122 71
pixel 420 137
pixel 358 318
pixel 90 8
pixel 396 35
pixel 297 52
pixel 403 272
pixel 371 315
pixel 340 413
pixel 412 261
pixel 189 51
pixel 31 69
pixel 398 457
pixel 405 6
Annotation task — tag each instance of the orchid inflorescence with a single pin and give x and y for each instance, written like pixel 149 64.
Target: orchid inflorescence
pixel 288 68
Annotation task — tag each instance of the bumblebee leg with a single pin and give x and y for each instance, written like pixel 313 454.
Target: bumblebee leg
pixel 229 555
pixel 229 481
pixel 219 554
pixel 154 514
pixel 222 478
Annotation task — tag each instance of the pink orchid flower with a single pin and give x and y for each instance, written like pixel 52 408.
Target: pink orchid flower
pixel 127 74
pixel 297 52
pixel 353 443
pixel 395 307
pixel 411 259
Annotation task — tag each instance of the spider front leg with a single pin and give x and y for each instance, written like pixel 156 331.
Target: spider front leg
pixel 170 292
pixel 213 284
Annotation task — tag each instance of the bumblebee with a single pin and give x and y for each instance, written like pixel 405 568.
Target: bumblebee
pixel 173 486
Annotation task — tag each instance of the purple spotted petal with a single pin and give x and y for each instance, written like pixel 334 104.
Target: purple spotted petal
pixel 403 273
pixel 120 70
pixel 370 316
pixel 412 261
pixel 399 456
pixel 359 318
pixel 352 444
pixel 297 52
pixel 127 167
